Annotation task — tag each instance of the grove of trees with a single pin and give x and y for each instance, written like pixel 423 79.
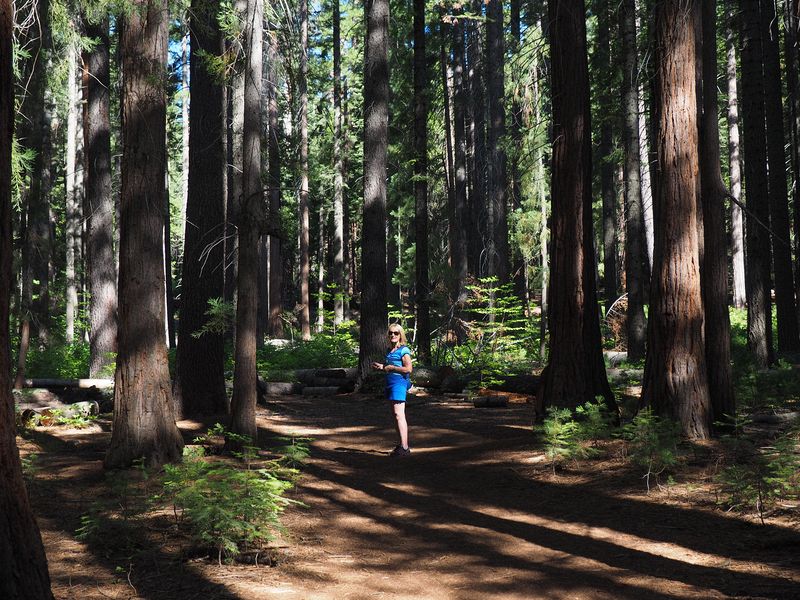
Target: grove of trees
pixel 184 182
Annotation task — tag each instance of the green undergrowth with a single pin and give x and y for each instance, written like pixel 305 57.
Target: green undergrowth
pixel 754 469
pixel 225 502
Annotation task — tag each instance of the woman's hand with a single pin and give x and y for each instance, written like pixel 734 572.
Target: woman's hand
pixel 378 366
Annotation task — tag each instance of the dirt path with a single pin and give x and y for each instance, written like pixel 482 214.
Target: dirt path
pixel 473 513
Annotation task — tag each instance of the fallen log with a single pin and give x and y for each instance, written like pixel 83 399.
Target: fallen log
pixel 344 373
pixel 69 383
pixel 490 402
pixel 280 388
pixel 519 384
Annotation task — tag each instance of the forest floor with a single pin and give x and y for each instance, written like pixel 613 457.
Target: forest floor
pixel 475 512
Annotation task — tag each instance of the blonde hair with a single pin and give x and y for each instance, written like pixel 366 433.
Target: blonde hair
pixel 399 328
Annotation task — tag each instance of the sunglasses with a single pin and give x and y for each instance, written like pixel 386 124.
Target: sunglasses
pixel 394 333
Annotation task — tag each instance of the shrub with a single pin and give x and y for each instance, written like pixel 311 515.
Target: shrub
pixel 759 475
pixel 652 443
pixel 229 505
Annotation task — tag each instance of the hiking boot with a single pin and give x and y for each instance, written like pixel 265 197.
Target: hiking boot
pixel 400 451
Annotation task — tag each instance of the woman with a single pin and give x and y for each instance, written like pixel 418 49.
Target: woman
pixel 397 367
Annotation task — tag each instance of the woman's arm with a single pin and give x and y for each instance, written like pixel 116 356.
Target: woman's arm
pixel 405 369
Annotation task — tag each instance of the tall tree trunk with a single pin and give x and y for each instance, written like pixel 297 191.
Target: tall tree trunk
pixel 714 266
pixel 646 160
pixel 251 217
pixel 793 96
pixel 606 148
pixel 675 381
pixel 422 279
pixel 305 302
pixel 169 294
pixel 73 216
pixel 372 338
pixel 498 221
pixel 275 328
pixel 185 99
pixel 23 574
pixel 518 263
pixel 144 423
pixel 200 377
pixel 477 232
pixel 321 270
pixel 635 250
pixel 758 251
pixel 449 160
pixel 34 134
pixel 99 203
pixel 458 252
pixel 788 335
pixel 338 174
pixel 575 372
pixel 735 169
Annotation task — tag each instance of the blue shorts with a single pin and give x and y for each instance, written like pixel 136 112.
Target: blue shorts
pixel 396 388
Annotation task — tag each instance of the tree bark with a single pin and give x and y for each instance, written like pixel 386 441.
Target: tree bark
pixel 606 113
pixel 675 382
pixel 144 423
pixel 477 233
pixel 338 174
pixel 73 213
pixel 34 135
pixel 714 266
pixel 635 251
pixel 758 251
pixel 200 385
pixel 99 203
pixel 23 565
pixel 275 328
pixel 735 169
pixel 793 96
pixel 788 335
pixel 458 253
pixel 497 176
pixel 251 217
pixel 305 302
pixel 422 278
pixel 372 337
pixel 575 373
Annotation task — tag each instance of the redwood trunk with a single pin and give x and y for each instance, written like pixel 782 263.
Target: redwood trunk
pixel 575 373
pixel 497 176
pixel 635 250
pixel 675 382
pixel 714 268
pixel 788 336
pixel 243 402
pixel 338 174
pixel 275 327
pixel 422 281
pixel 372 338
pixel 23 565
pixel 200 360
pixel 99 204
pixel 144 423
pixel 458 252
pixel 758 252
pixel 735 168
pixel 305 268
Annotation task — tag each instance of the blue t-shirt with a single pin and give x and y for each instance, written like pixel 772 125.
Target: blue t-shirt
pixel 395 358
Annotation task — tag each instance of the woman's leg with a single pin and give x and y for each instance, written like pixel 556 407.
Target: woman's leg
pixel 400 424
